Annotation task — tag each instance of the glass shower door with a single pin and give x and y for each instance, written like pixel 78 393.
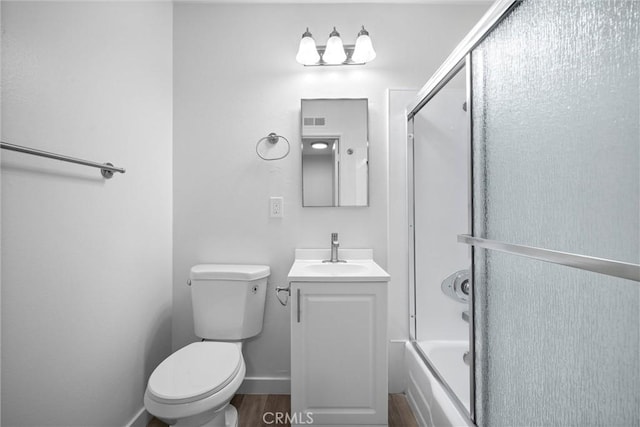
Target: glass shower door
pixel 439 151
pixel 556 171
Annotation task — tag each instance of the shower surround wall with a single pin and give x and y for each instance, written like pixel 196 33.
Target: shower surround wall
pixel 86 263
pixel 236 80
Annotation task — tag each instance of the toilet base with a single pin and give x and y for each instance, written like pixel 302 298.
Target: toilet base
pixel 227 419
pixel 231 415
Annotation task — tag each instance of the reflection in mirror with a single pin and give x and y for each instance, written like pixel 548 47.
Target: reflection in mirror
pixel 320 171
pixel 335 152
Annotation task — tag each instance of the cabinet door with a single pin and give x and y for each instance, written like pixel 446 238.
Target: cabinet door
pixel 339 353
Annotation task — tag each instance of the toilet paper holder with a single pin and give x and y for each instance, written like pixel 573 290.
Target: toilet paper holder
pixel 283 289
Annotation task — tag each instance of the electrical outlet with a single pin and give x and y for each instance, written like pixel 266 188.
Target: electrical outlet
pixel 276 206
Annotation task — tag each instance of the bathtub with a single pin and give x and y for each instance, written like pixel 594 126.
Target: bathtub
pixel 427 397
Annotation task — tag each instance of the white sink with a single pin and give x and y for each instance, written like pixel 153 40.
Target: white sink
pixel 335 269
pixel 359 267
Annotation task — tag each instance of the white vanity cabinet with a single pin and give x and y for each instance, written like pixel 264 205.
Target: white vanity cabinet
pixel 339 350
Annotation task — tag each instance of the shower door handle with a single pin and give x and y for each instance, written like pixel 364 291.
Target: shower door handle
pixel 623 270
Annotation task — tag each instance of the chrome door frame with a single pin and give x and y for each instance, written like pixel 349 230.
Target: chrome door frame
pixel 459 58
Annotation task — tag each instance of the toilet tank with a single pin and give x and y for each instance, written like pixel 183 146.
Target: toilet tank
pixel 228 300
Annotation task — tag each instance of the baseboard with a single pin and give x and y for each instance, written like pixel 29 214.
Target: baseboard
pixel 140 419
pixel 266 385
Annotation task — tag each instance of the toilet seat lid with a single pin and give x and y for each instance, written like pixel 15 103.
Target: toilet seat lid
pixel 195 372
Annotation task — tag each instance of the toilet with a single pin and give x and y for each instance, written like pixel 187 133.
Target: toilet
pixel 193 386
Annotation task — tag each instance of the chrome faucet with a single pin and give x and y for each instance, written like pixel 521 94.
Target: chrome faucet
pixel 334 249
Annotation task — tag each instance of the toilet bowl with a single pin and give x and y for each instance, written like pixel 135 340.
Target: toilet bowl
pixel 193 387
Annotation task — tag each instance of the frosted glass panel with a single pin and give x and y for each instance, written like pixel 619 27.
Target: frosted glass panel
pixel 556 128
pixel 558 346
pixel 556 125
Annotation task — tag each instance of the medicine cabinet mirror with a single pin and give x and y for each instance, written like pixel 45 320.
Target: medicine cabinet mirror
pixel 335 152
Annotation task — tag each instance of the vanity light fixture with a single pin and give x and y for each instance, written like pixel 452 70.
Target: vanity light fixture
pixel 335 52
pixel 363 51
pixel 307 51
pixel 319 145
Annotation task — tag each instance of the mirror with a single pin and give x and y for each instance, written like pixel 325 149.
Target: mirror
pixel 335 152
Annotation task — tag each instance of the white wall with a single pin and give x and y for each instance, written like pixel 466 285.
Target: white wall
pixel 86 277
pixel 236 80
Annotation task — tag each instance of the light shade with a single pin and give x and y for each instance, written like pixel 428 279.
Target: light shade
pixel 363 51
pixel 319 145
pixel 334 52
pixel 307 51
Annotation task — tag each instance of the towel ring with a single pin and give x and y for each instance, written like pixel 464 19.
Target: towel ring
pixel 273 139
